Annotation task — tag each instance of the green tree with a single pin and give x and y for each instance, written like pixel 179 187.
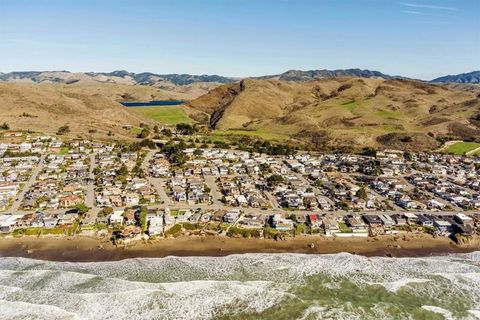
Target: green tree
pixel 145 133
pixel 63 130
pixel 143 219
pixel 122 171
pixel 185 129
pixel 408 156
pixel 82 208
pixel 265 168
pixel 178 158
pixel 370 152
pixel 275 179
pixel 362 193
pixel 148 144
pixel 5 126
pixel 318 183
pixel 106 212
pixel 166 132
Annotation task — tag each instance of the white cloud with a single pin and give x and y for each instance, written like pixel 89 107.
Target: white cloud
pixel 413 12
pixel 427 6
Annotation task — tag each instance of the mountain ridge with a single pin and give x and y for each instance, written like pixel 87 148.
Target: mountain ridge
pixel 173 79
pixel 469 77
pixel 117 76
pixel 309 75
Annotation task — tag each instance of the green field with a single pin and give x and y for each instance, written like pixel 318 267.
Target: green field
pixel 461 148
pixel 166 115
pixel 386 114
pixel 352 105
pixel 63 151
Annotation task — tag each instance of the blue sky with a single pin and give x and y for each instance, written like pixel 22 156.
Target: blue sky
pixel 421 39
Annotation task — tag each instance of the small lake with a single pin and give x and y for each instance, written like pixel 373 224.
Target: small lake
pixel 153 103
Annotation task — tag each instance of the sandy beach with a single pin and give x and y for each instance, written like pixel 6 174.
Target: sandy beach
pixel 88 249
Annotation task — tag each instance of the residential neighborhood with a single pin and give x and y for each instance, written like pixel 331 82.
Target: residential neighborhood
pixel 54 186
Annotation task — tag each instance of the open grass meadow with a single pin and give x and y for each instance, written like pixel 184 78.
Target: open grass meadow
pixel 262 133
pixel 165 114
pixel 461 148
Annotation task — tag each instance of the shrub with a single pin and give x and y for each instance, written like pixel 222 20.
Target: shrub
pixel 63 130
pixel 173 231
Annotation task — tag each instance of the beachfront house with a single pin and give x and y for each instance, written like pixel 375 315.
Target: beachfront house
pixel 355 223
pixel 425 221
pixel 442 225
pixel 281 224
pixel 116 218
pixel 231 216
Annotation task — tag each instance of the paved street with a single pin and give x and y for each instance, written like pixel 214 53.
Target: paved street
pixel 273 200
pixel 90 198
pixel 216 194
pixel 157 183
pixel 18 200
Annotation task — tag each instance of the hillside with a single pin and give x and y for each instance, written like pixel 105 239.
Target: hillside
pixel 348 111
pixel 125 92
pixel 471 77
pixel 46 107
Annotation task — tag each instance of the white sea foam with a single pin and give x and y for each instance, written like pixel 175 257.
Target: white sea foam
pixel 16 310
pixel 204 287
pixel 475 313
pixel 394 286
pixel 128 300
pixel 445 313
pixel 312 311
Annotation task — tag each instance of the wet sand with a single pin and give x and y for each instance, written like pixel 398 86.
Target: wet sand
pixel 89 249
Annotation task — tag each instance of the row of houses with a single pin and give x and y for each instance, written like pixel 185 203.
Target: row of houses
pixel 11 222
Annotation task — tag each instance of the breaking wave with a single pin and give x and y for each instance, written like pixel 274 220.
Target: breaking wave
pixel 249 286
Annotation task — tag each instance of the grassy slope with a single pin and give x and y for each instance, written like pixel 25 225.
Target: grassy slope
pixel 46 107
pixel 166 115
pixel 461 148
pixel 262 133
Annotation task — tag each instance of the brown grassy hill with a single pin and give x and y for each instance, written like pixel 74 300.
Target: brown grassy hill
pixel 46 107
pixel 122 92
pixel 344 111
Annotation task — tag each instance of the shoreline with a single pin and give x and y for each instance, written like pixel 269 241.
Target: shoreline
pixel 89 249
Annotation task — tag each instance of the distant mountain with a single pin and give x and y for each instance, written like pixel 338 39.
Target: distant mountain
pixel 298 75
pixel 118 77
pixel 169 81
pixel 471 77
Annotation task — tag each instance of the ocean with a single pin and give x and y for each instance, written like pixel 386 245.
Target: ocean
pixel 248 286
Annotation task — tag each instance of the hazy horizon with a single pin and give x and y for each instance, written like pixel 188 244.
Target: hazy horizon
pixel 211 74
pixel 416 39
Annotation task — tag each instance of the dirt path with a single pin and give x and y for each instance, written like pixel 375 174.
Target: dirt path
pixel 472 152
